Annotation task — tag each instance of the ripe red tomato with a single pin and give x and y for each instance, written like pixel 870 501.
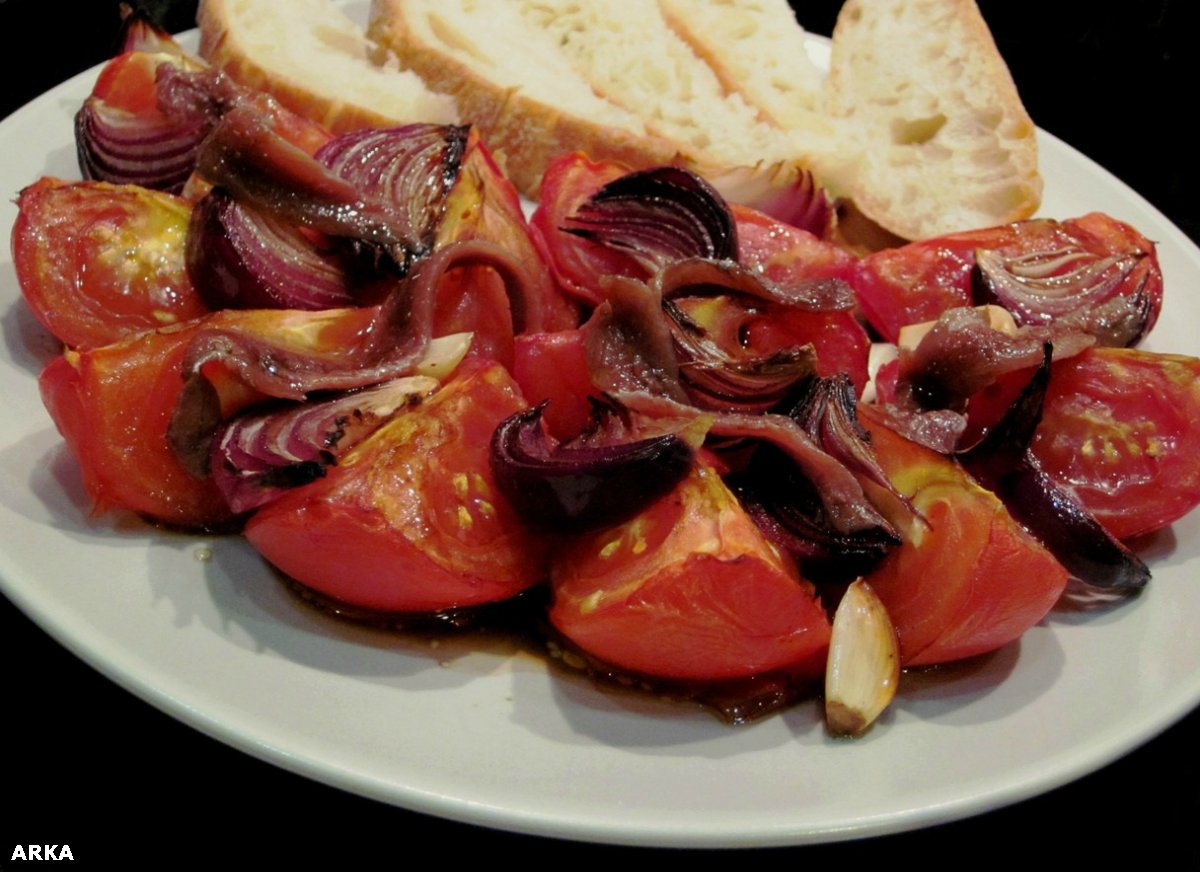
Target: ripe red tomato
pixel 484 205
pixel 127 82
pixel 787 254
pixel 690 590
pixel 1121 429
pixel 554 367
pixel 99 263
pixel 113 406
pixel 919 281
pixel 576 263
pixel 971 580
pixel 410 520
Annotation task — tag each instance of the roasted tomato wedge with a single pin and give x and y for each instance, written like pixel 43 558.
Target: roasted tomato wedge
pixel 554 367
pixel 484 205
pixel 113 406
pixel 99 263
pixel 967 579
pixel 919 281
pixel 577 264
pixel 410 520
pixel 1121 429
pixel 687 590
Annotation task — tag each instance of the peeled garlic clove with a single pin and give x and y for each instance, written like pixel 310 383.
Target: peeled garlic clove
pixel 864 662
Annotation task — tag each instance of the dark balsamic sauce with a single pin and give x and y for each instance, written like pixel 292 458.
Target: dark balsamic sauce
pixel 521 622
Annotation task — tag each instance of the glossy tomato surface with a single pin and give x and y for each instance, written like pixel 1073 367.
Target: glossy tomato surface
pixel 1121 429
pixel 99 263
pixel 410 520
pixel 967 578
pixel 553 367
pixel 113 406
pixel 919 281
pixel 577 264
pixel 483 205
pixel 689 590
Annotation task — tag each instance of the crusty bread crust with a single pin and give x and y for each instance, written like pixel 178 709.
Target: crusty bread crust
pixel 948 143
pixel 259 43
pixel 524 131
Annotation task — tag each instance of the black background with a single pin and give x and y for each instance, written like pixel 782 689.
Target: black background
pixel 88 764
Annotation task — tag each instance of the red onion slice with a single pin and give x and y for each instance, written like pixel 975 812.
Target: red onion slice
pixel 259 455
pixel 584 484
pixel 660 215
pixel 410 169
pixel 1103 295
pixel 238 258
pixel 148 150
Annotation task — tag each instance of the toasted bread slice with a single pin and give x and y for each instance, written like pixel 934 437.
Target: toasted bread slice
pixel 947 143
pixel 312 58
pixel 511 81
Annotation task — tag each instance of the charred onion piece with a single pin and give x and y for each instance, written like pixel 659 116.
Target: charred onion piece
pixel 659 215
pixel 723 376
pixel 238 258
pixel 827 410
pixel 1040 288
pixel 259 455
pixel 585 483
pixel 1002 463
pixel 245 156
pixel 962 354
pixel 789 510
pixel 698 277
pixel 411 169
pixel 391 341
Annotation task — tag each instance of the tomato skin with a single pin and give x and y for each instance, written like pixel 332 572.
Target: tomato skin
pixel 576 263
pixel 919 281
pixel 484 205
pixel 554 367
pixel 113 406
pixel 970 582
pixel 1121 429
pixel 411 520
pixel 687 590
pixel 99 263
pixel 127 82
pixel 786 254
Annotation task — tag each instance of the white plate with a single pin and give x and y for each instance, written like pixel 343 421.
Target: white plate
pixel 201 629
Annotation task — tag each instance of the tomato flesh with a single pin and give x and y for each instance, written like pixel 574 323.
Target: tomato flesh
pixel 919 281
pixel 970 579
pixel 99 263
pixel 687 590
pixel 1121 429
pixel 410 520
pixel 113 406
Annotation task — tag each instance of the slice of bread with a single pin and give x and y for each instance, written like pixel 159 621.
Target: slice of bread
pixel 757 49
pixel 947 143
pixel 315 61
pixel 511 81
pixel 632 57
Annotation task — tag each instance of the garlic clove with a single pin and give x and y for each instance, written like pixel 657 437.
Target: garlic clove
pixel 864 662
